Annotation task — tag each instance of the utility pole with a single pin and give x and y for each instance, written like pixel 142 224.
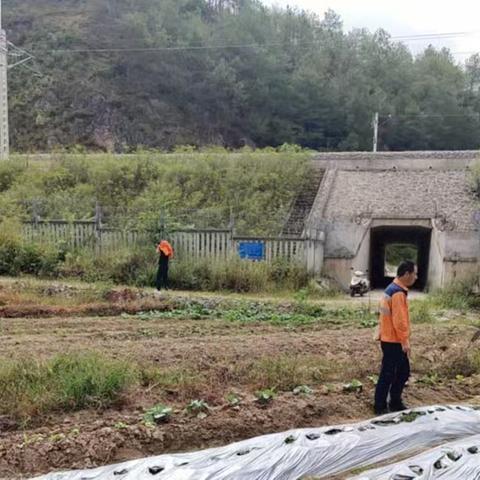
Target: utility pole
pixel 4 143
pixel 375 132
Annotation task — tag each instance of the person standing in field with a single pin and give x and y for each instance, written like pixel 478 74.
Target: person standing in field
pixel 165 251
pixel 394 337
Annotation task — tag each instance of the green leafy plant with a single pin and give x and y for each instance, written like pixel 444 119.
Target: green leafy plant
pixel 233 400
pixel 353 386
pixel 302 390
pixel 411 416
pixel 158 414
pixel 120 426
pixel 265 396
pixel 369 322
pixel 431 379
pixel 198 407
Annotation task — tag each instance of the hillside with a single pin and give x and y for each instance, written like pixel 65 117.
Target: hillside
pixel 268 76
pixel 203 190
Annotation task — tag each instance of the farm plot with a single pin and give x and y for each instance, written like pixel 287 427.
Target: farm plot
pixel 91 377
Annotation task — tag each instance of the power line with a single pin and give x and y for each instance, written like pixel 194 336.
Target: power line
pixel 399 38
pixel 431 115
pixel 427 36
pixel 202 48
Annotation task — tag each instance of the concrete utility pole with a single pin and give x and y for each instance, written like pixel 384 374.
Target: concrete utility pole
pixel 4 143
pixel 375 131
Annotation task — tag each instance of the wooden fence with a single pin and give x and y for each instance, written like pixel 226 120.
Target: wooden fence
pixel 218 244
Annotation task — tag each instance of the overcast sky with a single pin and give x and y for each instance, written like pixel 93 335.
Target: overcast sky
pixel 406 17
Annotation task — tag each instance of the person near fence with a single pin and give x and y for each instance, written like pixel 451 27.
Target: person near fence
pixel 394 336
pixel 165 251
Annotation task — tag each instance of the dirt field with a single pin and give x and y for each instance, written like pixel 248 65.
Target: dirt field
pixel 207 358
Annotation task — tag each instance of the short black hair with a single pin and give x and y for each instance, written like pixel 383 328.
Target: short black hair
pixel 407 266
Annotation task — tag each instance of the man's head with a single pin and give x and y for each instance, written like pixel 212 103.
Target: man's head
pixel 407 273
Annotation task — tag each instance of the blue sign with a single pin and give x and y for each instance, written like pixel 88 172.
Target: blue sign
pixel 251 250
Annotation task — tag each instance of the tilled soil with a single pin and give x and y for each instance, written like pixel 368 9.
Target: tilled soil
pixel 219 350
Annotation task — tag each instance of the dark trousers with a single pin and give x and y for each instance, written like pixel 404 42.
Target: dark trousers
pixel 162 275
pixel 393 375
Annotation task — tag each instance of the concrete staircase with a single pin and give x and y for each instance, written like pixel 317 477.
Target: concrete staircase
pixel 303 203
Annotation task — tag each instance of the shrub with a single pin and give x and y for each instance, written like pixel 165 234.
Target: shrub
pixel 17 256
pixel 194 189
pixel 9 172
pixel 135 268
pixel 81 264
pixel 8 254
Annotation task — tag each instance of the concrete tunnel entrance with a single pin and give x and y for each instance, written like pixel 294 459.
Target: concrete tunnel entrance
pixel 393 241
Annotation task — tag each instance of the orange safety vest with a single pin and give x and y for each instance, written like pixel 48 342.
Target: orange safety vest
pixel 165 248
pixel 394 317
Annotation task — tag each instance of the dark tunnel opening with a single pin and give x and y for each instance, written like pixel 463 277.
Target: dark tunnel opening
pixel 391 244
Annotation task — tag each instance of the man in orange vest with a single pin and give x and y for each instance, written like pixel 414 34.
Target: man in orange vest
pixel 394 335
pixel 165 250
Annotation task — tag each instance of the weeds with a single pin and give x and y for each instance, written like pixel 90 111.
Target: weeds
pixel 185 382
pixel 237 275
pixel 67 382
pixel 420 312
pixel 286 372
pixel 461 296
pixel 137 267
pixel 464 364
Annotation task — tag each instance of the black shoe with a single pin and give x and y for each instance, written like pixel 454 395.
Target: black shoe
pixel 380 411
pixel 398 407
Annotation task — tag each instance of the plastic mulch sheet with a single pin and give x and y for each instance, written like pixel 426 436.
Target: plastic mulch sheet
pixel 319 452
pixel 459 460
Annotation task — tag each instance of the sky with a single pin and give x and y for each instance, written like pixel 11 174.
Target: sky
pixel 406 17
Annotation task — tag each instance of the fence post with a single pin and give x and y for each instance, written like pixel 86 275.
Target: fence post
pixel 98 228
pixel 35 215
pixel 231 228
